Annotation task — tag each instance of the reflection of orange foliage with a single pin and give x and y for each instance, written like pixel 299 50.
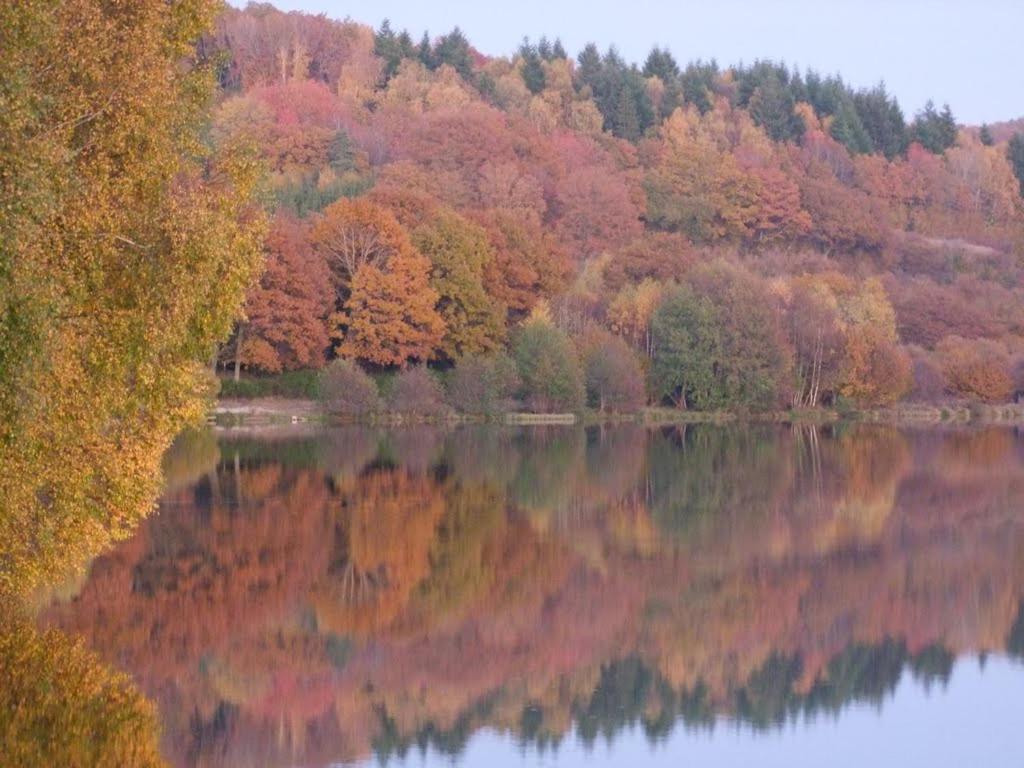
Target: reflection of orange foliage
pixel 388 523
pixel 978 451
pixel 873 470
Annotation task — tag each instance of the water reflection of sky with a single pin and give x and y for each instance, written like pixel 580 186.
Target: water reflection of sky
pixel 973 720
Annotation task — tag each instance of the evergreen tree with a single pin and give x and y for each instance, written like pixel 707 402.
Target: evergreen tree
pixel 935 131
pixel 543 48
pixel 425 52
pixel 771 106
pixel 532 70
pixel 697 82
pixel 588 71
pixel 1015 153
pixel 826 95
pixel 453 49
pixel 558 50
pixel 626 122
pixel 985 136
pixel 883 120
pixel 662 65
pixel 848 129
pixel 391 48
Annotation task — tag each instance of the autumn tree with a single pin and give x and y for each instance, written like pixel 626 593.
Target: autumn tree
pixel 659 256
pixel 631 310
pixel 843 219
pixel 416 392
pixel 977 370
pixel 388 314
pixel 878 371
pixel 346 390
pixel 63 706
pixel 844 335
pixel 287 313
pixel 927 311
pixel 459 253
pixel 126 247
pixel 596 211
pixel 389 317
pixel 528 264
pixel 816 332
pixel 352 234
pixel 688 188
pixel 929 381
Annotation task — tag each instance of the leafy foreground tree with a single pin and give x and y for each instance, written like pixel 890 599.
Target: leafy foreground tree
pixel 125 252
pixel 59 705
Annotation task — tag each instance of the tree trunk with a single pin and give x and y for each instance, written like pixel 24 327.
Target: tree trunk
pixel 238 350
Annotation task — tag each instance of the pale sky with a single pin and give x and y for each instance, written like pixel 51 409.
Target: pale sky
pixel 969 54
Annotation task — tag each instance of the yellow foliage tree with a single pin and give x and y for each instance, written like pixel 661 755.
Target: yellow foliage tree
pixel 125 251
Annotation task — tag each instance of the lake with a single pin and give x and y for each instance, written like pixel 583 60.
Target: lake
pixel 736 595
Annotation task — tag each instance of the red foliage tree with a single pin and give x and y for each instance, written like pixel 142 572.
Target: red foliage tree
pixel 286 326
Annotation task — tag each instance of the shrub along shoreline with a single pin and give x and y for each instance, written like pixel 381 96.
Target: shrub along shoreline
pixel 696 369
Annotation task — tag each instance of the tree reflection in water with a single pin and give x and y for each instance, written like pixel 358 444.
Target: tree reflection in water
pixel 356 592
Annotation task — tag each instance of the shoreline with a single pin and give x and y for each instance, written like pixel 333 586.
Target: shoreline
pixel 240 412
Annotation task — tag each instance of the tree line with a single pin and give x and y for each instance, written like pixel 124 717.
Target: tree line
pixel 432 205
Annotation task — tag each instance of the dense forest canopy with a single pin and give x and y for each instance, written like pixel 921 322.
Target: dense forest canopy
pixel 429 198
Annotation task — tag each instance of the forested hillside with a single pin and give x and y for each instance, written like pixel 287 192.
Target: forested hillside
pixel 757 237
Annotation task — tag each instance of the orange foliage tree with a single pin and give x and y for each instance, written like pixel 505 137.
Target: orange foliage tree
pixel 287 312
pixel 388 315
pixel 978 369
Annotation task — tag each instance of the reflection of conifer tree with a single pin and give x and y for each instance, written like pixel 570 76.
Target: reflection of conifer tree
pixel 1015 641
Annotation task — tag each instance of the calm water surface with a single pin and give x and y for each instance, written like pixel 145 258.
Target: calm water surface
pixel 714 596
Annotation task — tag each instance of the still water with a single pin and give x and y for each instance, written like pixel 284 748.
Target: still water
pixel 699 595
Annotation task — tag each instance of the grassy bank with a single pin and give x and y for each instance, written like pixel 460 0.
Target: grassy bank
pixel 299 385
